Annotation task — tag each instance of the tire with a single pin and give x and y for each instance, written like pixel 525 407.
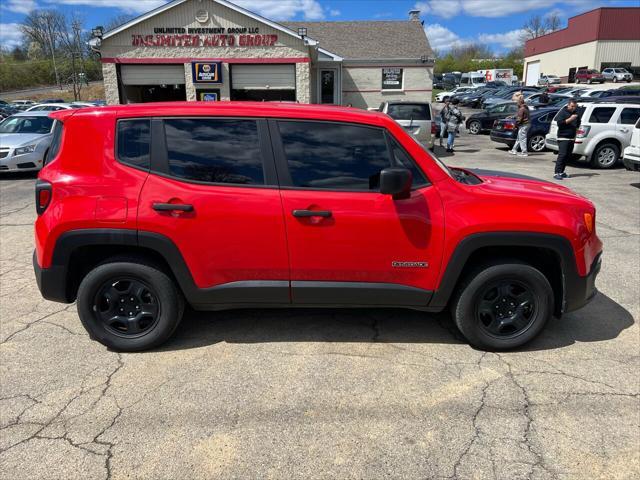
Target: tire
pixel 615 79
pixel 475 127
pixel 577 81
pixel 133 285
pixel 536 142
pixel 499 288
pixel 606 155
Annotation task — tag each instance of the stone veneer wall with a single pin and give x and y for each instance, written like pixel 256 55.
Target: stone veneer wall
pixel 110 79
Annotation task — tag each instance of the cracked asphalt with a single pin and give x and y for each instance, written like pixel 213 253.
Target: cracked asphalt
pixel 327 393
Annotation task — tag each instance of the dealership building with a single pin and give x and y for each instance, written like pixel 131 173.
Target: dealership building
pixel 598 39
pixel 209 50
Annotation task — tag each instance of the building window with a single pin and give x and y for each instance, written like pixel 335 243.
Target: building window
pixel 392 78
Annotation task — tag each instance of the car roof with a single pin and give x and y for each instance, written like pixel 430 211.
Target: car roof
pixel 233 109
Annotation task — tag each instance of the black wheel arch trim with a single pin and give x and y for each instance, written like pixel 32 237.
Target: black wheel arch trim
pixel 573 285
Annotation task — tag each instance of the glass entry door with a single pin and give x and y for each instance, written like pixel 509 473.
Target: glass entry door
pixel 328 86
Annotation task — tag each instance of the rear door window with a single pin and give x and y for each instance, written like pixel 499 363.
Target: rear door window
pixel 56 141
pixel 134 140
pixel 408 111
pixel 215 150
pixel 629 116
pixel 601 114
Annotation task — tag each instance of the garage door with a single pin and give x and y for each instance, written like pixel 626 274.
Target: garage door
pixel 259 77
pixel 152 74
pixel 533 73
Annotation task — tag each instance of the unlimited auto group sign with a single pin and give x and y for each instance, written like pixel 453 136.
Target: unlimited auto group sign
pixel 204 37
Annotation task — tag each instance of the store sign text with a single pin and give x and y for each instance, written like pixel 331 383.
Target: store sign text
pixel 204 37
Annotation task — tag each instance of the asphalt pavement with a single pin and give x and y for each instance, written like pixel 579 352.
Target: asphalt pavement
pixel 310 394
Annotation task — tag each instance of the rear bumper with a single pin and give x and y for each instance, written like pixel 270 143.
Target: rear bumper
pixel 580 290
pixel 502 137
pixel 51 281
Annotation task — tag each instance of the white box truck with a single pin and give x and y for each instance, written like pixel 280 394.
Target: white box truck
pixel 503 74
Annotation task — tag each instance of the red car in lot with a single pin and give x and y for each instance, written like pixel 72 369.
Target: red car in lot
pixel 589 76
pixel 144 208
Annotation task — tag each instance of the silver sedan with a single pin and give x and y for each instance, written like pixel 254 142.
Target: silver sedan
pixel 24 140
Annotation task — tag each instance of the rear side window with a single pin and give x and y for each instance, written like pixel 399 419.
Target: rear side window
pixel 56 141
pixel 601 114
pixel 215 150
pixel 629 116
pixel 134 139
pixel 338 156
pixel 408 111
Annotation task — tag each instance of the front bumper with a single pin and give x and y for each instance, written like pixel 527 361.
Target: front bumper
pixel 631 162
pixel 551 143
pixel 51 281
pixel 580 290
pixel 27 162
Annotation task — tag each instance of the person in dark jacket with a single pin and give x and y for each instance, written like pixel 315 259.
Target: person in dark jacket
pixel 544 97
pixel 568 122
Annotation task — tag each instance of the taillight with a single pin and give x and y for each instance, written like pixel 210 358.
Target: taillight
pixel 583 131
pixel 43 196
pixel 509 126
pixel 589 222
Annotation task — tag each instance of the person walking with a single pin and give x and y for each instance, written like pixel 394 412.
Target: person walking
pixel 568 122
pixel 454 118
pixel 443 120
pixel 522 120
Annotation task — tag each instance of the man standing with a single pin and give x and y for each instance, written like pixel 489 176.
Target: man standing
pixel 544 97
pixel 568 122
pixel 443 120
pixel 522 120
pixel 454 118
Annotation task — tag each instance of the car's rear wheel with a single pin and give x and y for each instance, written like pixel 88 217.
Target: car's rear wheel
pixel 129 306
pixel 615 79
pixel 503 306
pixel 536 143
pixel 475 127
pixel 605 155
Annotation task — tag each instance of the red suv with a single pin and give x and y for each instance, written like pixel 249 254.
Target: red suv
pixel 589 76
pixel 145 208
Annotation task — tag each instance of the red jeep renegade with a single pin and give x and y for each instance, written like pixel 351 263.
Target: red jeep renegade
pixel 143 208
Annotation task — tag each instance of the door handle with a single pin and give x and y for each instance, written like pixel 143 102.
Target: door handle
pixel 170 207
pixel 311 213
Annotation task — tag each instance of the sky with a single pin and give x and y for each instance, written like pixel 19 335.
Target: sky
pixel 496 23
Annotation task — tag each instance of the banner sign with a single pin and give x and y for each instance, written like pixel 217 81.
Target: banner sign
pixel 392 78
pixel 207 72
pixel 205 37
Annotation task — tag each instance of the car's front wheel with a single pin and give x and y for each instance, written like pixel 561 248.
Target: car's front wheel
pixel 615 79
pixel 475 127
pixel 129 306
pixel 605 156
pixel 503 306
pixel 536 143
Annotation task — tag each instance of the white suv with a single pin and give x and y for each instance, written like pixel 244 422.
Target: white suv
pixel 605 131
pixel 631 157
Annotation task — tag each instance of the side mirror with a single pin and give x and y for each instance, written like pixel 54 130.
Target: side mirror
pixel 396 182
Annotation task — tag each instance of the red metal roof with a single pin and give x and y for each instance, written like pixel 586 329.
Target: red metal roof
pixel 598 24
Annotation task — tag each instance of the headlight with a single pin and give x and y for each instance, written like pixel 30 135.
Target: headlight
pixel 23 150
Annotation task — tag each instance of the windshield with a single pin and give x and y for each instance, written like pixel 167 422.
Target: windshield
pixel 26 125
pixel 478 80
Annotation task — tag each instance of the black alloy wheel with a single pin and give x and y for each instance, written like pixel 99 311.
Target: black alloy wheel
pixel 127 307
pixel 506 308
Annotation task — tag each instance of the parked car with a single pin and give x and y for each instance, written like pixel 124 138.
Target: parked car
pixel 349 208
pixel 50 107
pixel 605 130
pixel 442 96
pixel 593 93
pixel 25 139
pixel 631 156
pixel 617 75
pixel 51 100
pixel 415 117
pixel 506 130
pixel 589 76
pixel 621 92
pixel 475 99
pixel 533 101
pixel 22 105
pixel 6 112
pixel 507 95
pixel 8 108
pixel 82 104
pixel 547 80
pixel 482 121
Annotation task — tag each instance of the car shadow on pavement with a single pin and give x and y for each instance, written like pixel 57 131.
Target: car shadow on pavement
pixel 601 320
pixel 18 176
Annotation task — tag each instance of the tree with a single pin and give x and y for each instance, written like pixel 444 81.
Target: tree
pixel 553 22
pixel 537 26
pixel 43 28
